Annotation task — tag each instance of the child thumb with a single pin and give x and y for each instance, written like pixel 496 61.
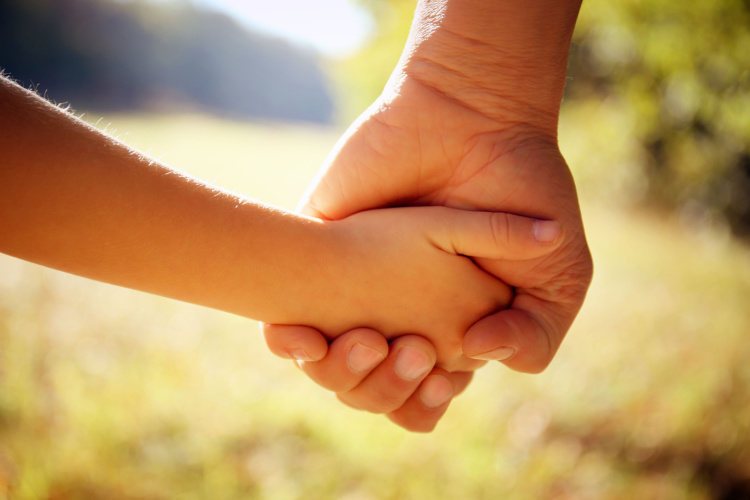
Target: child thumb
pixel 499 235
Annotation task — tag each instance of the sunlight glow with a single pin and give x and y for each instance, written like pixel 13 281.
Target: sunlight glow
pixel 336 28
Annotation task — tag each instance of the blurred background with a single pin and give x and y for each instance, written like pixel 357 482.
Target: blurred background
pixel 110 393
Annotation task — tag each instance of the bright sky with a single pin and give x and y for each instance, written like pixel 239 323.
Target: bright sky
pixel 334 27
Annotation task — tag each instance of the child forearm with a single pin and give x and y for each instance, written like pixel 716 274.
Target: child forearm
pixel 75 199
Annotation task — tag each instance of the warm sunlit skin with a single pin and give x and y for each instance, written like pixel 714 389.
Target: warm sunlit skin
pixel 469 119
pixel 75 199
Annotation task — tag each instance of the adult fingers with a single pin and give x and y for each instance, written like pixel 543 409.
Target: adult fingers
pixel 351 357
pixel 424 408
pixel 549 295
pixel 524 337
pixel 495 235
pixel 397 389
pixel 391 383
pixel 461 381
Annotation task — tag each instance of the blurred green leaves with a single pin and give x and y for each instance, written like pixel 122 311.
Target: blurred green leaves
pixel 679 75
pixel 363 76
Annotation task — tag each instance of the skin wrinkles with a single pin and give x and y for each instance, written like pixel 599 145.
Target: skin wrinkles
pixel 496 96
pixel 501 236
pixel 417 72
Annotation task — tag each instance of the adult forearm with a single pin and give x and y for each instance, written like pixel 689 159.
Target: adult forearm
pixel 502 57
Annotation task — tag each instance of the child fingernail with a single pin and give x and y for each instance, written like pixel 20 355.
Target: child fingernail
pixel 412 364
pixel 546 231
pixel 500 354
pixel 362 358
pixel 435 391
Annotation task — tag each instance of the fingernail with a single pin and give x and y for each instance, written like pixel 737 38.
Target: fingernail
pixel 362 358
pixel 412 364
pixel 500 354
pixel 299 355
pixel 546 231
pixel 435 391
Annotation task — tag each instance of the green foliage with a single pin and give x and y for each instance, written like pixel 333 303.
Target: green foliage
pixel 673 83
pixel 104 54
pixel 109 393
pixel 363 76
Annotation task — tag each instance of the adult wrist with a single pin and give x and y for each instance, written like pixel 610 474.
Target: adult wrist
pixel 502 58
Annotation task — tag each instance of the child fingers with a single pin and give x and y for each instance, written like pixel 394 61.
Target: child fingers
pixel 390 384
pixel 300 343
pixel 350 359
pixel 499 235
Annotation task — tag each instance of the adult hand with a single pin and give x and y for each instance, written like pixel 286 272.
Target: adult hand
pixel 419 146
pixel 367 373
pixel 469 120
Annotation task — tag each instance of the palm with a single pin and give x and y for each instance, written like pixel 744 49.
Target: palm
pixel 419 147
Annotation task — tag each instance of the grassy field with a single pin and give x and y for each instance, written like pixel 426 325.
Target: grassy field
pixel 107 393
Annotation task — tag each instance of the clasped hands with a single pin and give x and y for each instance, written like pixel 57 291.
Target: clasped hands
pixel 417 146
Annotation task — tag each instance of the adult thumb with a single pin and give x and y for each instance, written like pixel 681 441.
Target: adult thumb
pixel 497 235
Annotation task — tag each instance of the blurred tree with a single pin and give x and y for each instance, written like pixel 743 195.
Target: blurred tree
pixel 682 69
pixel 106 54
